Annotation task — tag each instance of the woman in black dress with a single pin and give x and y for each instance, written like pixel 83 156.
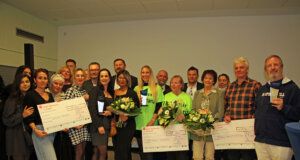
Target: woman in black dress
pixel 99 129
pixel 122 140
pixel 16 145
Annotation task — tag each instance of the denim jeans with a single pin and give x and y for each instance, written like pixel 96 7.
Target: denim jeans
pixel 44 148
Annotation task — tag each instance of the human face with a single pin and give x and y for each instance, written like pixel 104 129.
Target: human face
pixel 223 82
pixel 176 86
pixel 241 70
pixel 119 65
pixel 71 65
pixel 274 69
pixel 162 78
pixel 27 71
pixel 122 81
pixel 145 74
pixel 66 73
pixel 104 78
pixel 94 71
pixel 79 78
pixel 208 81
pixel 24 85
pixel 192 76
pixel 57 86
pixel 41 80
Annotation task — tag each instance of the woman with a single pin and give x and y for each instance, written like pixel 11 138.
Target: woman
pixel 223 81
pixel 78 135
pixel 42 141
pixel 122 140
pixel 212 99
pixel 16 145
pixel 185 100
pixel 100 126
pixel 62 142
pixel 149 110
pixel 66 73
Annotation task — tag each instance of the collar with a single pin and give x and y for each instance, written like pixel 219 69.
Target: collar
pixel 245 81
pixel 284 80
pixel 213 90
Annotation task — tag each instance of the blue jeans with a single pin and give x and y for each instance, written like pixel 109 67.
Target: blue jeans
pixel 44 148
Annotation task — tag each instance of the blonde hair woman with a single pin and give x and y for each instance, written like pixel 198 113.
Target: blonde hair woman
pixel 66 73
pixel 154 97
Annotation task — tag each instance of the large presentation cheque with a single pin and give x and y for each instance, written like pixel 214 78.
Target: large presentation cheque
pixel 57 116
pixel 159 139
pixel 238 134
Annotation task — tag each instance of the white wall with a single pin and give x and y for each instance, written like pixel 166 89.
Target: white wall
pixel 12 46
pixel 177 44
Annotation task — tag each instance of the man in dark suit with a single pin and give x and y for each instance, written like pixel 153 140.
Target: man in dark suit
pixel 193 85
pixel 119 64
pixel 94 69
pixel 162 78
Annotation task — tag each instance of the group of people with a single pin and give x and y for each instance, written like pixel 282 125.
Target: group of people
pixel 244 98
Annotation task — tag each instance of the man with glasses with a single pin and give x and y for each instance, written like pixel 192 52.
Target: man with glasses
pixel 94 69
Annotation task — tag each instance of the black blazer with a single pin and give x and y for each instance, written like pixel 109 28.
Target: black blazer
pixel 199 86
pixel 88 85
pixel 134 81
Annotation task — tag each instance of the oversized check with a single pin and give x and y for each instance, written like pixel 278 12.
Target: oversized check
pixel 238 134
pixel 159 139
pixel 57 116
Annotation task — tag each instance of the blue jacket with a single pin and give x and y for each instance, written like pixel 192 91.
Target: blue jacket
pixel 270 122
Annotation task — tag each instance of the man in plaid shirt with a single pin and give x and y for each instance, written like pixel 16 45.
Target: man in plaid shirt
pixel 239 102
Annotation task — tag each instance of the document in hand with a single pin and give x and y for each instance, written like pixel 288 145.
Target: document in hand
pixel 69 113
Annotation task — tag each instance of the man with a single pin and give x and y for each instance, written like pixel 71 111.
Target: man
pixel 119 64
pixel 277 103
pixel 239 102
pixel 162 78
pixel 94 69
pixel 71 63
pixel 193 85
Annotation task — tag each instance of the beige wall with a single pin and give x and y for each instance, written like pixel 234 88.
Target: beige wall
pixel 12 46
pixel 177 44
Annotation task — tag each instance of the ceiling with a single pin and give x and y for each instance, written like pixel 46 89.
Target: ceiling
pixel 68 12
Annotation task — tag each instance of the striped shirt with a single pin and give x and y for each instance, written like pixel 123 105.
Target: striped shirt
pixel 239 99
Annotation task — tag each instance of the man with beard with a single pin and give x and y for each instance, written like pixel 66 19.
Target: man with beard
pixel 162 78
pixel 277 103
pixel 94 69
pixel 119 64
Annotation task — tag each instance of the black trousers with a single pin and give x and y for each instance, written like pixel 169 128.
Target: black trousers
pixel 246 154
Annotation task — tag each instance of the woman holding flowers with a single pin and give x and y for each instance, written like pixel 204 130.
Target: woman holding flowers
pixel 210 99
pixel 184 101
pixel 125 132
pixel 154 97
pixel 79 135
pixel 100 126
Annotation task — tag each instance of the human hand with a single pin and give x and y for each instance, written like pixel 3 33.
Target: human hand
pixel 66 130
pixel 106 113
pixel 40 133
pixel 101 130
pixel 151 123
pixel 123 118
pixel 79 127
pixel 227 119
pixel 27 111
pixel 180 118
pixel 278 103
pixel 86 97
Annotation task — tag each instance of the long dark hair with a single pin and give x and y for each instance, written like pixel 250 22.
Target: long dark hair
pixel 21 69
pixel 15 90
pixel 110 89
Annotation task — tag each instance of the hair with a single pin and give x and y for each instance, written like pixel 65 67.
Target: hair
pixel 41 70
pixel 77 70
pixel 55 77
pixel 119 59
pixel 126 76
pixel 21 69
pixel 94 63
pixel 225 75
pixel 61 69
pixel 240 60
pixel 274 56
pixel 180 80
pixel 211 72
pixel 151 83
pixel 110 89
pixel 15 90
pixel 71 60
pixel 192 68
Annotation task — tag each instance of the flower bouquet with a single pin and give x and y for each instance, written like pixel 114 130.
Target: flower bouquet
pixel 125 107
pixel 199 122
pixel 168 113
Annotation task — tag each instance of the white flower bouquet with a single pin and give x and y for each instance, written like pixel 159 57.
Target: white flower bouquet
pixel 168 112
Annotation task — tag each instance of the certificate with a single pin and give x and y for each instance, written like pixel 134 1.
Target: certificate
pixel 57 116
pixel 238 134
pixel 159 139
